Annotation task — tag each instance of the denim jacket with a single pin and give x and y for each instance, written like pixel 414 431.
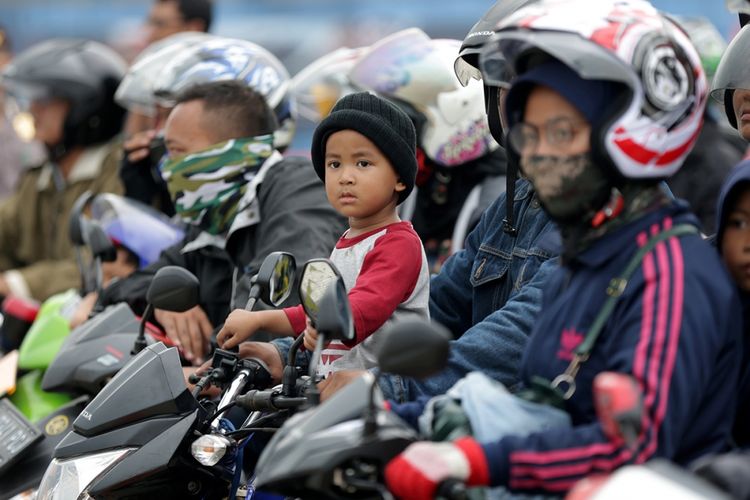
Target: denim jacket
pixel 488 296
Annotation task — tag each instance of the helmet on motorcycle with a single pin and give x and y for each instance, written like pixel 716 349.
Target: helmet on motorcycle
pixel 320 84
pixel 416 72
pixel 733 73
pixel 139 228
pixel 653 123
pixel 218 59
pixel 136 92
pixel 84 73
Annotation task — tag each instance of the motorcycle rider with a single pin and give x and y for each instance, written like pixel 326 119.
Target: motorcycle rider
pixel 456 152
pixel 68 87
pixel 365 154
pixel 139 234
pixel 596 85
pixel 256 206
pixel 731 85
pixel 175 63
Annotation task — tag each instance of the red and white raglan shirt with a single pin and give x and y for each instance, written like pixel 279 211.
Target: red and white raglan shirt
pixel 386 274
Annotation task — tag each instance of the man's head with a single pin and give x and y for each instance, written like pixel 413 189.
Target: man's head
pixel 215 112
pixel 168 17
pixel 383 124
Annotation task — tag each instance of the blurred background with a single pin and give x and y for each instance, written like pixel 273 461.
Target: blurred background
pixel 297 31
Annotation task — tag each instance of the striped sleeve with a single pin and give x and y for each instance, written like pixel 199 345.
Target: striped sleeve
pixel 651 324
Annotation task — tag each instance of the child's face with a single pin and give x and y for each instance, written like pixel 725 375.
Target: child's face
pixel 360 181
pixel 735 242
pixel 120 268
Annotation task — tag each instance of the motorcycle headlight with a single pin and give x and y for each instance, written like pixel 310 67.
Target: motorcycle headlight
pixel 210 448
pixel 67 479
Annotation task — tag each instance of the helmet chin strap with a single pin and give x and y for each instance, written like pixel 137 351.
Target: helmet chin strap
pixel 612 209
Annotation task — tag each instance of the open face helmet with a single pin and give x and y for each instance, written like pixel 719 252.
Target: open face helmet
pixel 320 84
pixel 651 127
pixel 733 73
pixel 219 59
pixel 136 92
pixel 84 73
pixel 416 72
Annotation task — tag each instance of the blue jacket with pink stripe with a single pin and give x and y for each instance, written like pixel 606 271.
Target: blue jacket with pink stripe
pixel 676 329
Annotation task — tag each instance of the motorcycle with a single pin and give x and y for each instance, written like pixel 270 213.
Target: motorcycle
pixel 339 449
pixel 146 433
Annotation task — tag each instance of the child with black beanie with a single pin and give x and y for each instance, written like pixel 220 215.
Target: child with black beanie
pixel 365 153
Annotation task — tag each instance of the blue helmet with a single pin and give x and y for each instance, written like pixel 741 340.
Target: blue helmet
pixel 138 227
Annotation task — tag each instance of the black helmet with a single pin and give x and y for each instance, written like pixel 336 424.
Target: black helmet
pixel 466 67
pixel 83 72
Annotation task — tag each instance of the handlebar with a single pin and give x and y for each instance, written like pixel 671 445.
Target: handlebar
pixel 269 400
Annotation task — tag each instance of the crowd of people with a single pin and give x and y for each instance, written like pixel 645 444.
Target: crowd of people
pixel 556 189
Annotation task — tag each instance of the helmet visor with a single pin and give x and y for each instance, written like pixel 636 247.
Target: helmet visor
pixel 733 71
pixel 499 58
pixel 408 66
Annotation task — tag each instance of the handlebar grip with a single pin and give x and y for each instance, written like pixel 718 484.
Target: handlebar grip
pixel 452 489
pixel 193 378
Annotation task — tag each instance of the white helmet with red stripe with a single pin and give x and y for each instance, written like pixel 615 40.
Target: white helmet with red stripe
pixel 650 129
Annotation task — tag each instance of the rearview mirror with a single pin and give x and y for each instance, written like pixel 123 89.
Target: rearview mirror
pixel 414 349
pixel 317 276
pixel 335 314
pixel 276 278
pixel 173 289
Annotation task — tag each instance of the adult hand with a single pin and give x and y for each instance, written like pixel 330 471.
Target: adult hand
pixel 266 352
pixel 336 381
pixel 190 330
pixel 137 146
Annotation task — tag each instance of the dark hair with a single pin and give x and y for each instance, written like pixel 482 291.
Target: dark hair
pixel 234 109
pixel 195 9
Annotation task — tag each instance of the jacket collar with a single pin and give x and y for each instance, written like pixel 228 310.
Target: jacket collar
pixel 610 246
pixel 87 167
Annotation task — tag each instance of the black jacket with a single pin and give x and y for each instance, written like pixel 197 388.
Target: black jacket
pixel 295 217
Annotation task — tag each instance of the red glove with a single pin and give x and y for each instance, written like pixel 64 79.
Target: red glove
pixel 417 472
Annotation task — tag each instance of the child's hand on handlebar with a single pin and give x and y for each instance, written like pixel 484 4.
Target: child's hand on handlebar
pixel 311 336
pixel 239 326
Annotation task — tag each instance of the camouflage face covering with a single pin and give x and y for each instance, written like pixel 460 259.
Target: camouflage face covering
pixel 567 186
pixel 207 186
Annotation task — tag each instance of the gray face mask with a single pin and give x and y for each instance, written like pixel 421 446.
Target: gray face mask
pixel 568 187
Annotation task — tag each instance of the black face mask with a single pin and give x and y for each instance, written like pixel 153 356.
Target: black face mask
pixel 569 187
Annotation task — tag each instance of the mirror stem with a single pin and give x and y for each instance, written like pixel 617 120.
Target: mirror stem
pixel 289 375
pixel 255 291
pixel 371 414
pixel 140 341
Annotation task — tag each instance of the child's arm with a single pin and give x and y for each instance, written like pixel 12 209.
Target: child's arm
pixel 388 276
pixel 240 325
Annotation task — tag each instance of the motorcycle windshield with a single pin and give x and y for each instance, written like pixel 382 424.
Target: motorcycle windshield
pixel 151 384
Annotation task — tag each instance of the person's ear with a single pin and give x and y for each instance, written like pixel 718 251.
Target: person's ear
pixel 400 186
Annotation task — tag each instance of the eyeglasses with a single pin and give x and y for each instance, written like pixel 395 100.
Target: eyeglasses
pixel 559 132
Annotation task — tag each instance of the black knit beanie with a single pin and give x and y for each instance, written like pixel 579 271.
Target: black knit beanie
pixel 389 128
